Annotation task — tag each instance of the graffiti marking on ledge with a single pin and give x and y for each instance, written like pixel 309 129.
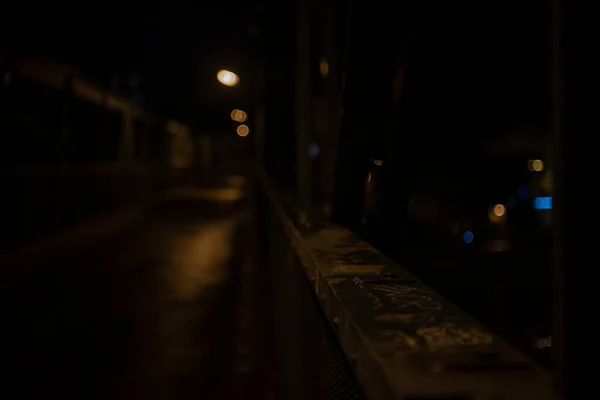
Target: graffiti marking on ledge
pixel 448 335
pixel 403 296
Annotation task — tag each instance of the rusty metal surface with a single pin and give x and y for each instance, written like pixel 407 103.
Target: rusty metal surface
pixel 404 340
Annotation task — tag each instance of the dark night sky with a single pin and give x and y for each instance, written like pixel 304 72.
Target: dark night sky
pixel 174 48
pixel 485 60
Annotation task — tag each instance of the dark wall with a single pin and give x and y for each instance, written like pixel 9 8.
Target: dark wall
pixel 279 92
pixel 60 162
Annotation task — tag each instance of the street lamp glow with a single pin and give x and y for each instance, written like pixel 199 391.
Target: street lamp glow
pixel 227 78
pixel 535 165
pixel 499 210
pixel 243 130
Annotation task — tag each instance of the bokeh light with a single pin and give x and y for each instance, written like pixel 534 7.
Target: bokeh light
pixel 497 213
pixel 542 203
pixel 324 68
pixel 239 116
pixel 468 237
pixel 227 78
pixel 243 130
pixel 499 210
pixel 535 165
pixel 313 149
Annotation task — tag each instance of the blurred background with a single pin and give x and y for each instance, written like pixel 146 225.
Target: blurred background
pixel 427 130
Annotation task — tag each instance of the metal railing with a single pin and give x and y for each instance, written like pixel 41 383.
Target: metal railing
pixel 351 324
pixel 82 157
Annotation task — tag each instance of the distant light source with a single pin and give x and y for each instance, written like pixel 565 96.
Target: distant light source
pixel 499 210
pixel 239 116
pixel 243 130
pixel 498 246
pixel 542 203
pixel 535 165
pixel 497 213
pixel 379 163
pixel 468 237
pixel 324 68
pixel 227 78
pixel 313 149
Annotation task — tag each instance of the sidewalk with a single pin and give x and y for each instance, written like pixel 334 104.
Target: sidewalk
pixel 152 312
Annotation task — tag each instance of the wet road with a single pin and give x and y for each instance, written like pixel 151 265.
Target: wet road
pixel 158 310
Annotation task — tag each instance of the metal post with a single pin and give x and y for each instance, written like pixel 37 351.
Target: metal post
pixel 259 139
pixel 302 106
pixel 366 98
pixel 558 340
pixel 334 105
pixel 127 138
pixel 63 149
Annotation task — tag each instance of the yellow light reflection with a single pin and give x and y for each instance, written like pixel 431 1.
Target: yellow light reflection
pixel 227 78
pixel 498 246
pixel 379 163
pixel 200 259
pixel 497 213
pixel 239 115
pixel 235 114
pixel 499 210
pixel 324 68
pixel 541 343
pixel 535 165
pixel 243 130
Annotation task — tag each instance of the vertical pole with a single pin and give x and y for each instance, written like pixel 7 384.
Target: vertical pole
pixel 558 339
pixel 302 106
pixel 205 153
pixel 127 138
pixel 259 87
pixel 64 122
pixel 334 106
pixel 259 139
pixel 125 155
pixel 366 98
pixel 63 149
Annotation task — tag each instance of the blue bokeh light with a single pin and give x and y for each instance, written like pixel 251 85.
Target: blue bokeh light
pixel 468 237
pixel 522 192
pixel 313 149
pixel 542 203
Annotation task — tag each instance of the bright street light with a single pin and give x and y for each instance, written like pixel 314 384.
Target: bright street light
pixel 227 78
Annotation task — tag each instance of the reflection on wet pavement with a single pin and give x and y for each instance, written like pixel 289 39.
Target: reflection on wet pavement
pixel 149 313
pixel 199 263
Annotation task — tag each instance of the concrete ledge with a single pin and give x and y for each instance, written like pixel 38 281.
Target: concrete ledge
pixel 404 340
